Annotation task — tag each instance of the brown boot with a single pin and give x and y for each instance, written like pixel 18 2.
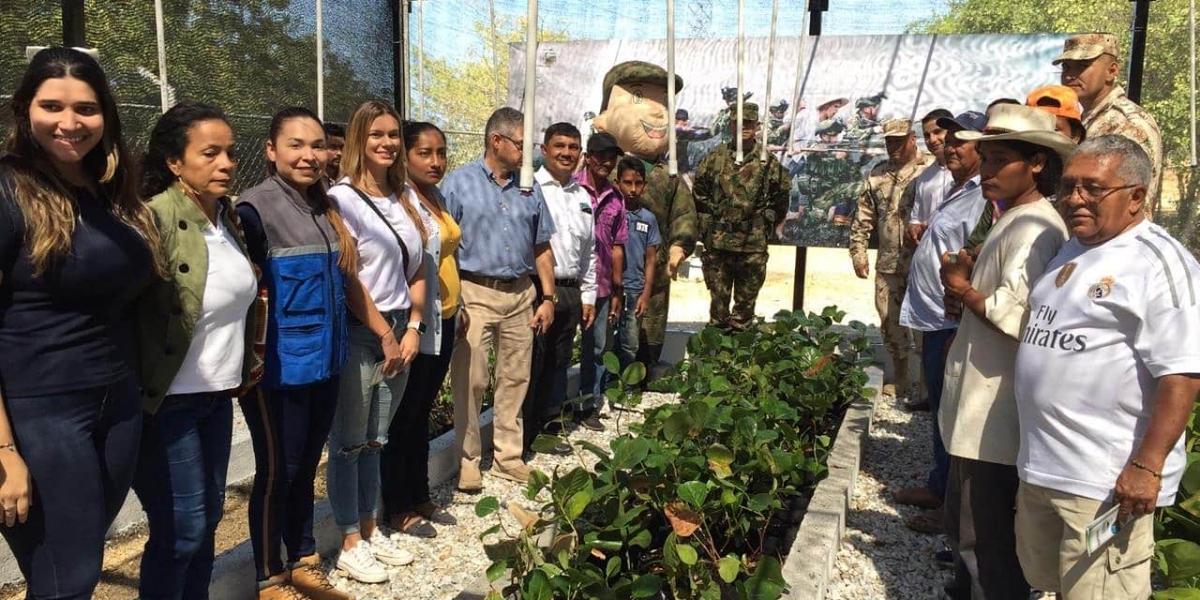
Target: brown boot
pixel 310 580
pixel 470 480
pixel 279 588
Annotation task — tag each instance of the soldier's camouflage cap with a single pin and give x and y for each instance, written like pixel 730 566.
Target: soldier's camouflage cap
pixel 1087 46
pixel 730 94
pixel 635 71
pixel 830 127
pixel 749 112
pixel 897 128
pixel 781 105
pixel 870 100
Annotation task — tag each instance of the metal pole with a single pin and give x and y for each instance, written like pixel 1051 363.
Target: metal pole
pixel 492 43
pixel 421 59
pixel 1192 22
pixel 739 158
pixel 672 158
pixel 801 58
pixel 770 72
pixel 160 34
pixel 1137 49
pixel 399 55
pixel 815 8
pixel 531 30
pixel 73 21
pixel 320 66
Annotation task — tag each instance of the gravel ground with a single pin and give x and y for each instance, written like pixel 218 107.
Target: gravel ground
pixel 450 562
pixel 880 557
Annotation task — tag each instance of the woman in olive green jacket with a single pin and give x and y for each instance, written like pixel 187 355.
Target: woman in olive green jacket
pixel 197 330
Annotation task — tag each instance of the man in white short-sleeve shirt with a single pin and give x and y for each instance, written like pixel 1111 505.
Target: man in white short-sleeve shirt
pixel 1106 376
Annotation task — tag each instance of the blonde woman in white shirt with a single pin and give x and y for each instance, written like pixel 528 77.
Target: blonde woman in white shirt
pixel 1021 163
pixel 390 239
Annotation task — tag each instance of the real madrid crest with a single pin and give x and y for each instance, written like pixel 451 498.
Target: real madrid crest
pixel 1101 290
pixel 1064 274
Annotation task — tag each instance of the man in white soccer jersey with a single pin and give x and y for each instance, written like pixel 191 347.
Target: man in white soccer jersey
pixel 1106 375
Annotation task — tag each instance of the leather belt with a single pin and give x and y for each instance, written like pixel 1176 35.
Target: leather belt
pixel 567 283
pixel 495 283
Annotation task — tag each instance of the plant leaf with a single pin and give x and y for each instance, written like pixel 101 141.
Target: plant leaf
pixel 647 586
pixel 486 506
pixel 526 519
pixel 728 568
pixel 683 521
pixel 692 492
pixel 496 571
pixel 720 459
pixel 687 554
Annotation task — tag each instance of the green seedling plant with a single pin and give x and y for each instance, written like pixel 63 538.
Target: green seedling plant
pixel 1177 528
pixel 681 505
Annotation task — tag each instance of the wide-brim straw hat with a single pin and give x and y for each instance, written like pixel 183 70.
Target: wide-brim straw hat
pixel 1023 124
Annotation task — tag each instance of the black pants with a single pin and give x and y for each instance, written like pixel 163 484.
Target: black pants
pixel 404 464
pixel 81 448
pixel 288 428
pixel 551 357
pixel 980 519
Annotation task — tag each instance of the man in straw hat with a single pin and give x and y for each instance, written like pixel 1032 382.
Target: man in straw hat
pixel 1089 66
pixel 880 208
pixel 1105 382
pixel 1022 157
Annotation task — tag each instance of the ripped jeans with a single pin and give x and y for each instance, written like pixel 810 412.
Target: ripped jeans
pixel 366 405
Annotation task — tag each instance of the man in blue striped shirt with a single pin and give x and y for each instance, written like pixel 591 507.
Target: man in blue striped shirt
pixel 505 238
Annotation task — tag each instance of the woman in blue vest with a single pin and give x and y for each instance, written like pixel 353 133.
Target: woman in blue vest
pixel 309 267
pixel 77 246
pixel 193 329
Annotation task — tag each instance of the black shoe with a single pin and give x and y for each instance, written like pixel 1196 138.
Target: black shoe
pixel 589 420
pixel 944 558
pixel 922 405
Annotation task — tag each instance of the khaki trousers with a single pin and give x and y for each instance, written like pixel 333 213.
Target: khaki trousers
pixel 1053 550
pixel 500 322
pixel 889 295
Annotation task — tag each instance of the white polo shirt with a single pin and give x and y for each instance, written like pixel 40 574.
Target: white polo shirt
pixel 574 236
pixel 928 190
pixel 1105 323
pixel 380 262
pixel 213 362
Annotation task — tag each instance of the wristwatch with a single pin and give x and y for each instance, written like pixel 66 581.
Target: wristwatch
pixel 418 325
pixel 551 298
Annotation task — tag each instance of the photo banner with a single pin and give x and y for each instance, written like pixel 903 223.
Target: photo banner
pixel 828 137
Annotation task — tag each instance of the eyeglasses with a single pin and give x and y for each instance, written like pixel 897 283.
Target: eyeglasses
pixel 1089 192
pixel 520 144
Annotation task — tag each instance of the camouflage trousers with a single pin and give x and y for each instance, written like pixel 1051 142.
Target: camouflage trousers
pixel 653 327
pixel 889 295
pixel 737 274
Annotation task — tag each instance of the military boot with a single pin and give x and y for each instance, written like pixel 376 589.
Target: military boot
pixel 279 587
pixel 310 580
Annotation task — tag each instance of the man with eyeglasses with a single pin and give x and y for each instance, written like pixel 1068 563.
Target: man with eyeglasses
pixel 505 238
pixel 1089 66
pixel 1106 376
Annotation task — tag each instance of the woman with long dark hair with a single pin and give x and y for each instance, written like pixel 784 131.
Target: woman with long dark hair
pixel 309 264
pixel 406 457
pixel 196 330
pixel 77 246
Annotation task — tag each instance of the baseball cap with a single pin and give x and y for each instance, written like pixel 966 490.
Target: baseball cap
pixel 897 128
pixel 681 114
pixel 602 142
pixel 1086 46
pixel 972 120
pixel 1058 100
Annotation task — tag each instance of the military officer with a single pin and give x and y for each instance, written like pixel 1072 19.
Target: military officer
pixel 826 176
pixel 738 205
pixel 881 208
pixel 721 123
pixel 865 123
pixel 778 129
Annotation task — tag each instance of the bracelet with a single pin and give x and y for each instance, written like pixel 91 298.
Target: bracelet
pixel 1136 464
pixel 9 446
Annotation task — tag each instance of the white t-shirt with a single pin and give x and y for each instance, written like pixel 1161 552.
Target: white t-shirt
pixel 1105 323
pixel 214 359
pixel 930 187
pixel 380 261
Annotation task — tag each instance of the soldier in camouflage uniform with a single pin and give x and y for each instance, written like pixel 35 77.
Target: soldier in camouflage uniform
pixel 1089 66
pixel 778 130
pixel 881 208
pixel 635 94
pixel 828 176
pixel 865 122
pixel 725 115
pixel 738 205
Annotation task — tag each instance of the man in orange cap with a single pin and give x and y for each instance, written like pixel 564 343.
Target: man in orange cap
pixel 1060 101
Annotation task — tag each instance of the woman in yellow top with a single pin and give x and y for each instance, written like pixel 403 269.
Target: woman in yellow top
pixel 406 458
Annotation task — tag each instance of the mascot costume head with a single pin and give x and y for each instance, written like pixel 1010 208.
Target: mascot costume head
pixel 634 108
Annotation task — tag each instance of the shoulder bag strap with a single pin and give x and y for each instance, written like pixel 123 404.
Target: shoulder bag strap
pixel 375 209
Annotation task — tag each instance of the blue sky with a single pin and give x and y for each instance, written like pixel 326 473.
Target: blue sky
pixel 449 24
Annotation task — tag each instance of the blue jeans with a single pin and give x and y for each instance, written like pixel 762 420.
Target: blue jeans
pixel 360 426
pixel 81 449
pixel 181 482
pixel 596 341
pixel 933 365
pixel 626 330
pixel 288 427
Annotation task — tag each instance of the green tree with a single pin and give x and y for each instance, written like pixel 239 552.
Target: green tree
pixel 1165 85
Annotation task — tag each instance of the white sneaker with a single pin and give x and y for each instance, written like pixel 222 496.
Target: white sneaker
pixel 359 562
pixel 387 551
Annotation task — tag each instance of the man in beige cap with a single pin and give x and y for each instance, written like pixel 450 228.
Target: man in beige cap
pixel 880 207
pixel 1089 66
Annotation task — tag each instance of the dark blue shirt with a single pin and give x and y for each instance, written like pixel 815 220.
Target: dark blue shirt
pixel 643 233
pixel 70 328
pixel 500 224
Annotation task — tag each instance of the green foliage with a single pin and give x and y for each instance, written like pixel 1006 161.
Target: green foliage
pixel 684 508
pixel 1165 85
pixel 1177 528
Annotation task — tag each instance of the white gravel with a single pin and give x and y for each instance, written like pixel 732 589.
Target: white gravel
pixel 454 559
pixel 880 557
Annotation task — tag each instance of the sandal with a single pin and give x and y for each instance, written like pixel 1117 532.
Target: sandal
pixel 435 514
pixel 411 523
pixel 929 521
pixel 918 496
